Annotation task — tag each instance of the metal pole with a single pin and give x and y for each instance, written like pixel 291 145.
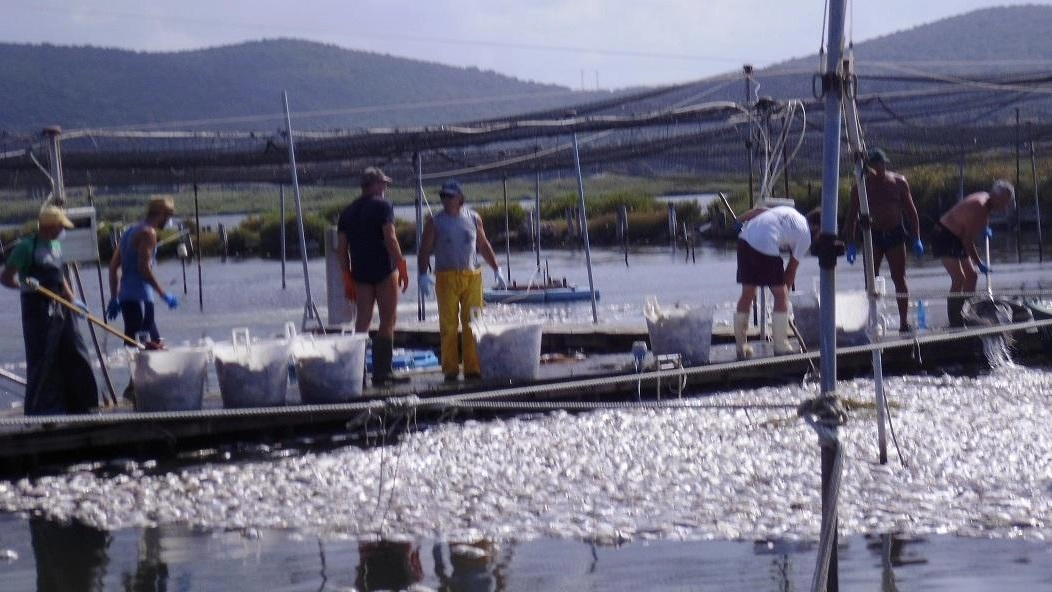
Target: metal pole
pixel 537 216
pixel 507 229
pixel 833 89
pixel 310 311
pixel 1018 237
pixel 747 68
pixel 418 167
pixel 1037 204
pixel 58 186
pixel 197 222
pixel 584 225
pixel 281 199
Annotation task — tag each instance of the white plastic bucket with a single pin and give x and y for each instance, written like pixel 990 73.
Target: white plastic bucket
pixel 508 351
pixel 680 330
pixel 170 379
pixel 852 318
pixel 252 374
pixel 329 368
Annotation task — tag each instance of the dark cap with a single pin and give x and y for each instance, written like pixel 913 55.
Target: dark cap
pixel 876 155
pixel 373 174
pixel 451 187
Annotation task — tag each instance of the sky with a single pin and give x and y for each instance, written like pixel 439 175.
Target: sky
pixel 605 44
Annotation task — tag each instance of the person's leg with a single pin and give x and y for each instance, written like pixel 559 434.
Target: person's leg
pixel 448 305
pixel 470 299
pixel 386 293
pixel 780 320
pixel 741 321
pixel 365 299
pixel 954 301
pixel 897 267
pixel 148 322
pixel 134 314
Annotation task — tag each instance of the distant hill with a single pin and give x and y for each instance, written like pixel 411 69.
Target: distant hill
pixel 233 86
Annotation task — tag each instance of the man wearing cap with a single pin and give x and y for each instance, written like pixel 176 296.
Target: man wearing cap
pixel 59 378
pixel 373 268
pixel 953 241
pixel 133 284
pixel 893 220
pixel 455 235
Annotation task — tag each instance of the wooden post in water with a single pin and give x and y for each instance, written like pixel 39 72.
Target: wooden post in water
pixel 200 283
pixel 58 188
pixel 537 212
pixel 1018 226
pixel 1037 203
pixel 747 68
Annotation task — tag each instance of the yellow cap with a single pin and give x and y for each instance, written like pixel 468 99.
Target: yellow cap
pixel 54 216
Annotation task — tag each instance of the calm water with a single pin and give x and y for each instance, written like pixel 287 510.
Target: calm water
pixel 672 499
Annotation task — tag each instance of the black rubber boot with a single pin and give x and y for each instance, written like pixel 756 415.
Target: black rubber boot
pixel 382 354
pixel 953 311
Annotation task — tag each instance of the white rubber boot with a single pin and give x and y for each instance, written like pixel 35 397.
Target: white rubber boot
pixel 741 339
pixel 780 333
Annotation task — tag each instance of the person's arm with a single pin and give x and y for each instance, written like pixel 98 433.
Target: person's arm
pixel 115 272
pixel 851 217
pixel 7 277
pixel 394 251
pixel 145 243
pixel 427 244
pixel 483 246
pixel 790 272
pixel 912 218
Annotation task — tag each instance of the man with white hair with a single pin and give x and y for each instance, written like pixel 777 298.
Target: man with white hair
pixel 953 241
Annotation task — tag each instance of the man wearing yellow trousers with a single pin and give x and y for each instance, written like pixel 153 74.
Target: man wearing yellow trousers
pixel 455 235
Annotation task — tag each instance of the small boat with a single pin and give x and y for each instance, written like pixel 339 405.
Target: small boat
pixel 549 293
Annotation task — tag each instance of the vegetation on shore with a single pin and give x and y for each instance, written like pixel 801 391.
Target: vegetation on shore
pixel 934 189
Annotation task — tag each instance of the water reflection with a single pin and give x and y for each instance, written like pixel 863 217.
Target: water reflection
pixel 70 557
pixel 388 565
pixel 472 567
pixel 151 572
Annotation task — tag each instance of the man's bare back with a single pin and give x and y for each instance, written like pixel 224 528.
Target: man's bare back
pixel 969 217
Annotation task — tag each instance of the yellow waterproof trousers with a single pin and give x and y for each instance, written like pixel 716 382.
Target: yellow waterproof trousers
pixel 458 292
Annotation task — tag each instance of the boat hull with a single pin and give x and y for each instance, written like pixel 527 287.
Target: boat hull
pixel 540 296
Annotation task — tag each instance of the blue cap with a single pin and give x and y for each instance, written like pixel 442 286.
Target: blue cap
pixel 451 187
pixel 876 155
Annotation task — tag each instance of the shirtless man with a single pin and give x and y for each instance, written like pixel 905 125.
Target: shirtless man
pixel 890 206
pixel 953 240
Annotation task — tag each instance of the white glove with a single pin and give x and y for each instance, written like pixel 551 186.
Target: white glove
pixel 427 285
pixel 498 279
pixel 30 284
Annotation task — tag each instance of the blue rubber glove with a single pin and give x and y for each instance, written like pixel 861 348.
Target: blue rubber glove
pixel 171 301
pixel 851 253
pixel 82 307
pixel 113 309
pixel 426 285
pixel 983 268
pixel 918 248
pixel 988 232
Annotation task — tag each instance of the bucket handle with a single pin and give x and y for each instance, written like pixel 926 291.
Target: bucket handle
pixel 290 330
pixel 240 337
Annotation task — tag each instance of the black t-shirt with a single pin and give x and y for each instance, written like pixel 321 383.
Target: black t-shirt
pixel 362 223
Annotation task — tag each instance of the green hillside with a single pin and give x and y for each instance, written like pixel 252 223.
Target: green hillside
pixel 240 86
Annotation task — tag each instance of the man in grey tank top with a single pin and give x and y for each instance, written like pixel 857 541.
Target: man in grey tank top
pixel 455 235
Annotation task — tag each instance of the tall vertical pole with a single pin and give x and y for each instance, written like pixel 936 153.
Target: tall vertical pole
pixel 747 68
pixel 197 224
pixel 1037 203
pixel 58 185
pixel 1018 226
pixel 827 576
pixel 310 310
pixel 507 227
pixel 584 223
pixel 281 200
pixel 537 215
pixel 418 204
